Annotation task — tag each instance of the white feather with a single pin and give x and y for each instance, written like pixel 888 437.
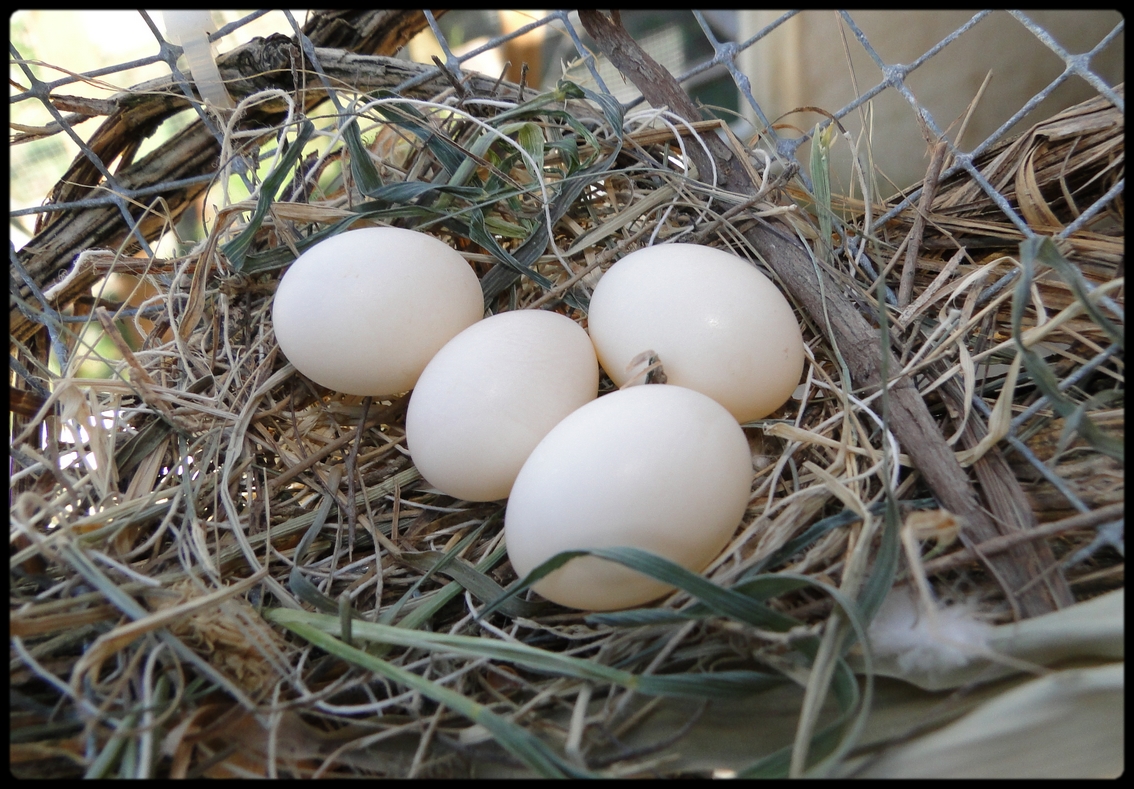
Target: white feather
pixel 924 641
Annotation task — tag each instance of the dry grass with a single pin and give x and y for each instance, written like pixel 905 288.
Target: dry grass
pixel 146 551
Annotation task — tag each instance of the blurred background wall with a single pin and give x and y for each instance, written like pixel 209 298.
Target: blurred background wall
pixel 804 62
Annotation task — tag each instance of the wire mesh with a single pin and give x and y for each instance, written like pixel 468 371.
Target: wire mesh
pixel 562 36
pixel 723 60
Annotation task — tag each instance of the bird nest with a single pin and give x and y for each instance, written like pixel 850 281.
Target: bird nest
pixel 221 568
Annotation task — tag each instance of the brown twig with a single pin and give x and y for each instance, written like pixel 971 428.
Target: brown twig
pixel 996 545
pixel 449 75
pixel 928 192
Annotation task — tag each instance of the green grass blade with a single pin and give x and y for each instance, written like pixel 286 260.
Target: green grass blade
pixel 881 576
pixel 530 137
pixel 297 582
pixel 476 582
pixel 410 118
pixel 719 684
pixel 405 191
pixel 425 612
pixel 1043 249
pixel 387 617
pixel 821 186
pixel 611 108
pixel 721 601
pixel 640 617
pixel 805 540
pixel 832 742
pixel 479 233
pixel 502 277
pixel 825 741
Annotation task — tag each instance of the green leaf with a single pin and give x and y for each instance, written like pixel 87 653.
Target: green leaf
pixel 805 540
pixel 481 586
pixel 881 579
pixel 823 743
pixel 388 615
pixel 502 227
pixel 408 117
pixel 280 256
pixel 504 275
pixel 530 138
pixel 836 739
pixel 821 186
pixel 299 585
pixel 568 148
pixel 639 617
pixel 474 157
pixel 760 588
pixel 1043 249
pixel 405 191
pixel 611 108
pixel 478 232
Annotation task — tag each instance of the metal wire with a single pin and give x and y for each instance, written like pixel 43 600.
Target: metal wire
pixel 725 54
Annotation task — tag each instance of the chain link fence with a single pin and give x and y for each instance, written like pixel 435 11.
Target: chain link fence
pixel 702 51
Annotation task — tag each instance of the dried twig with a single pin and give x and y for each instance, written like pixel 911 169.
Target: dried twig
pixel 913 244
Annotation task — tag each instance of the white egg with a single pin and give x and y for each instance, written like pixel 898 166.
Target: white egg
pixel 657 467
pixel 716 324
pixel 491 394
pixel 364 311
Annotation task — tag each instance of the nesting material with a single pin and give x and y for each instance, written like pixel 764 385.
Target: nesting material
pixel 200 460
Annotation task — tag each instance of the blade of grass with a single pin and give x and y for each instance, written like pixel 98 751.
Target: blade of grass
pixel 425 611
pixel 409 117
pixel 1043 249
pixel 366 175
pixel 719 600
pixel 833 741
pixel 821 140
pixel 297 583
pixel 831 671
pixel 477 583
pixel 387 617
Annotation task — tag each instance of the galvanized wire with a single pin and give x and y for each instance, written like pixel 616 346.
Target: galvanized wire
pixel 725 54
